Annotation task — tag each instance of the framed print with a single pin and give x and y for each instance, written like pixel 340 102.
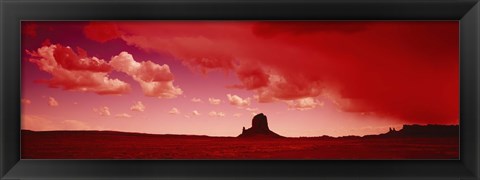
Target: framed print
pixel 87 95
pixel 227 89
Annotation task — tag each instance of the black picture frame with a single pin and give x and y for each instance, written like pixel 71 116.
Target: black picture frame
pixel 14 11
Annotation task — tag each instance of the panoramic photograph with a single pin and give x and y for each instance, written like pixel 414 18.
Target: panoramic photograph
pixel 240 90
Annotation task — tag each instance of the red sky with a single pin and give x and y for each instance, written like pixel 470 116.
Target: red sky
pixel 310 78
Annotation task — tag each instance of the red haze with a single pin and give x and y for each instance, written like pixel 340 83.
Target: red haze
pixel 101 31
pixel 407 70
pixel 30 29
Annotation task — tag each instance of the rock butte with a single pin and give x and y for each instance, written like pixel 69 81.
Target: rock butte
pixel 259 128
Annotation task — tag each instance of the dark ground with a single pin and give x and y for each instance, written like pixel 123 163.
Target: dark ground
pixel 118 145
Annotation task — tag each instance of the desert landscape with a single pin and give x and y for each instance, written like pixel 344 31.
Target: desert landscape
pixel 332 90
pixel 411 142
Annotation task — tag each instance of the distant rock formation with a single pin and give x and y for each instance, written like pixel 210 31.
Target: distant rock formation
pixel 259 128
pixel 415 130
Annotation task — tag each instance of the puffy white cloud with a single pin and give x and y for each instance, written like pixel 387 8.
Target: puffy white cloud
pixel 196 113
pixel 238 101
pixel 76 73
pixel 52 102
pixel 214 101
pixel 174 111
pixel 103 111
pixel 212 113
pixel 196 100
pixel 155 80
pixel 304 103
pixel 216 114
pixel 138 106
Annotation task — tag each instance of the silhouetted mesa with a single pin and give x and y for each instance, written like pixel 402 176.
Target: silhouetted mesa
pixel 259 128
pixel 415 130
